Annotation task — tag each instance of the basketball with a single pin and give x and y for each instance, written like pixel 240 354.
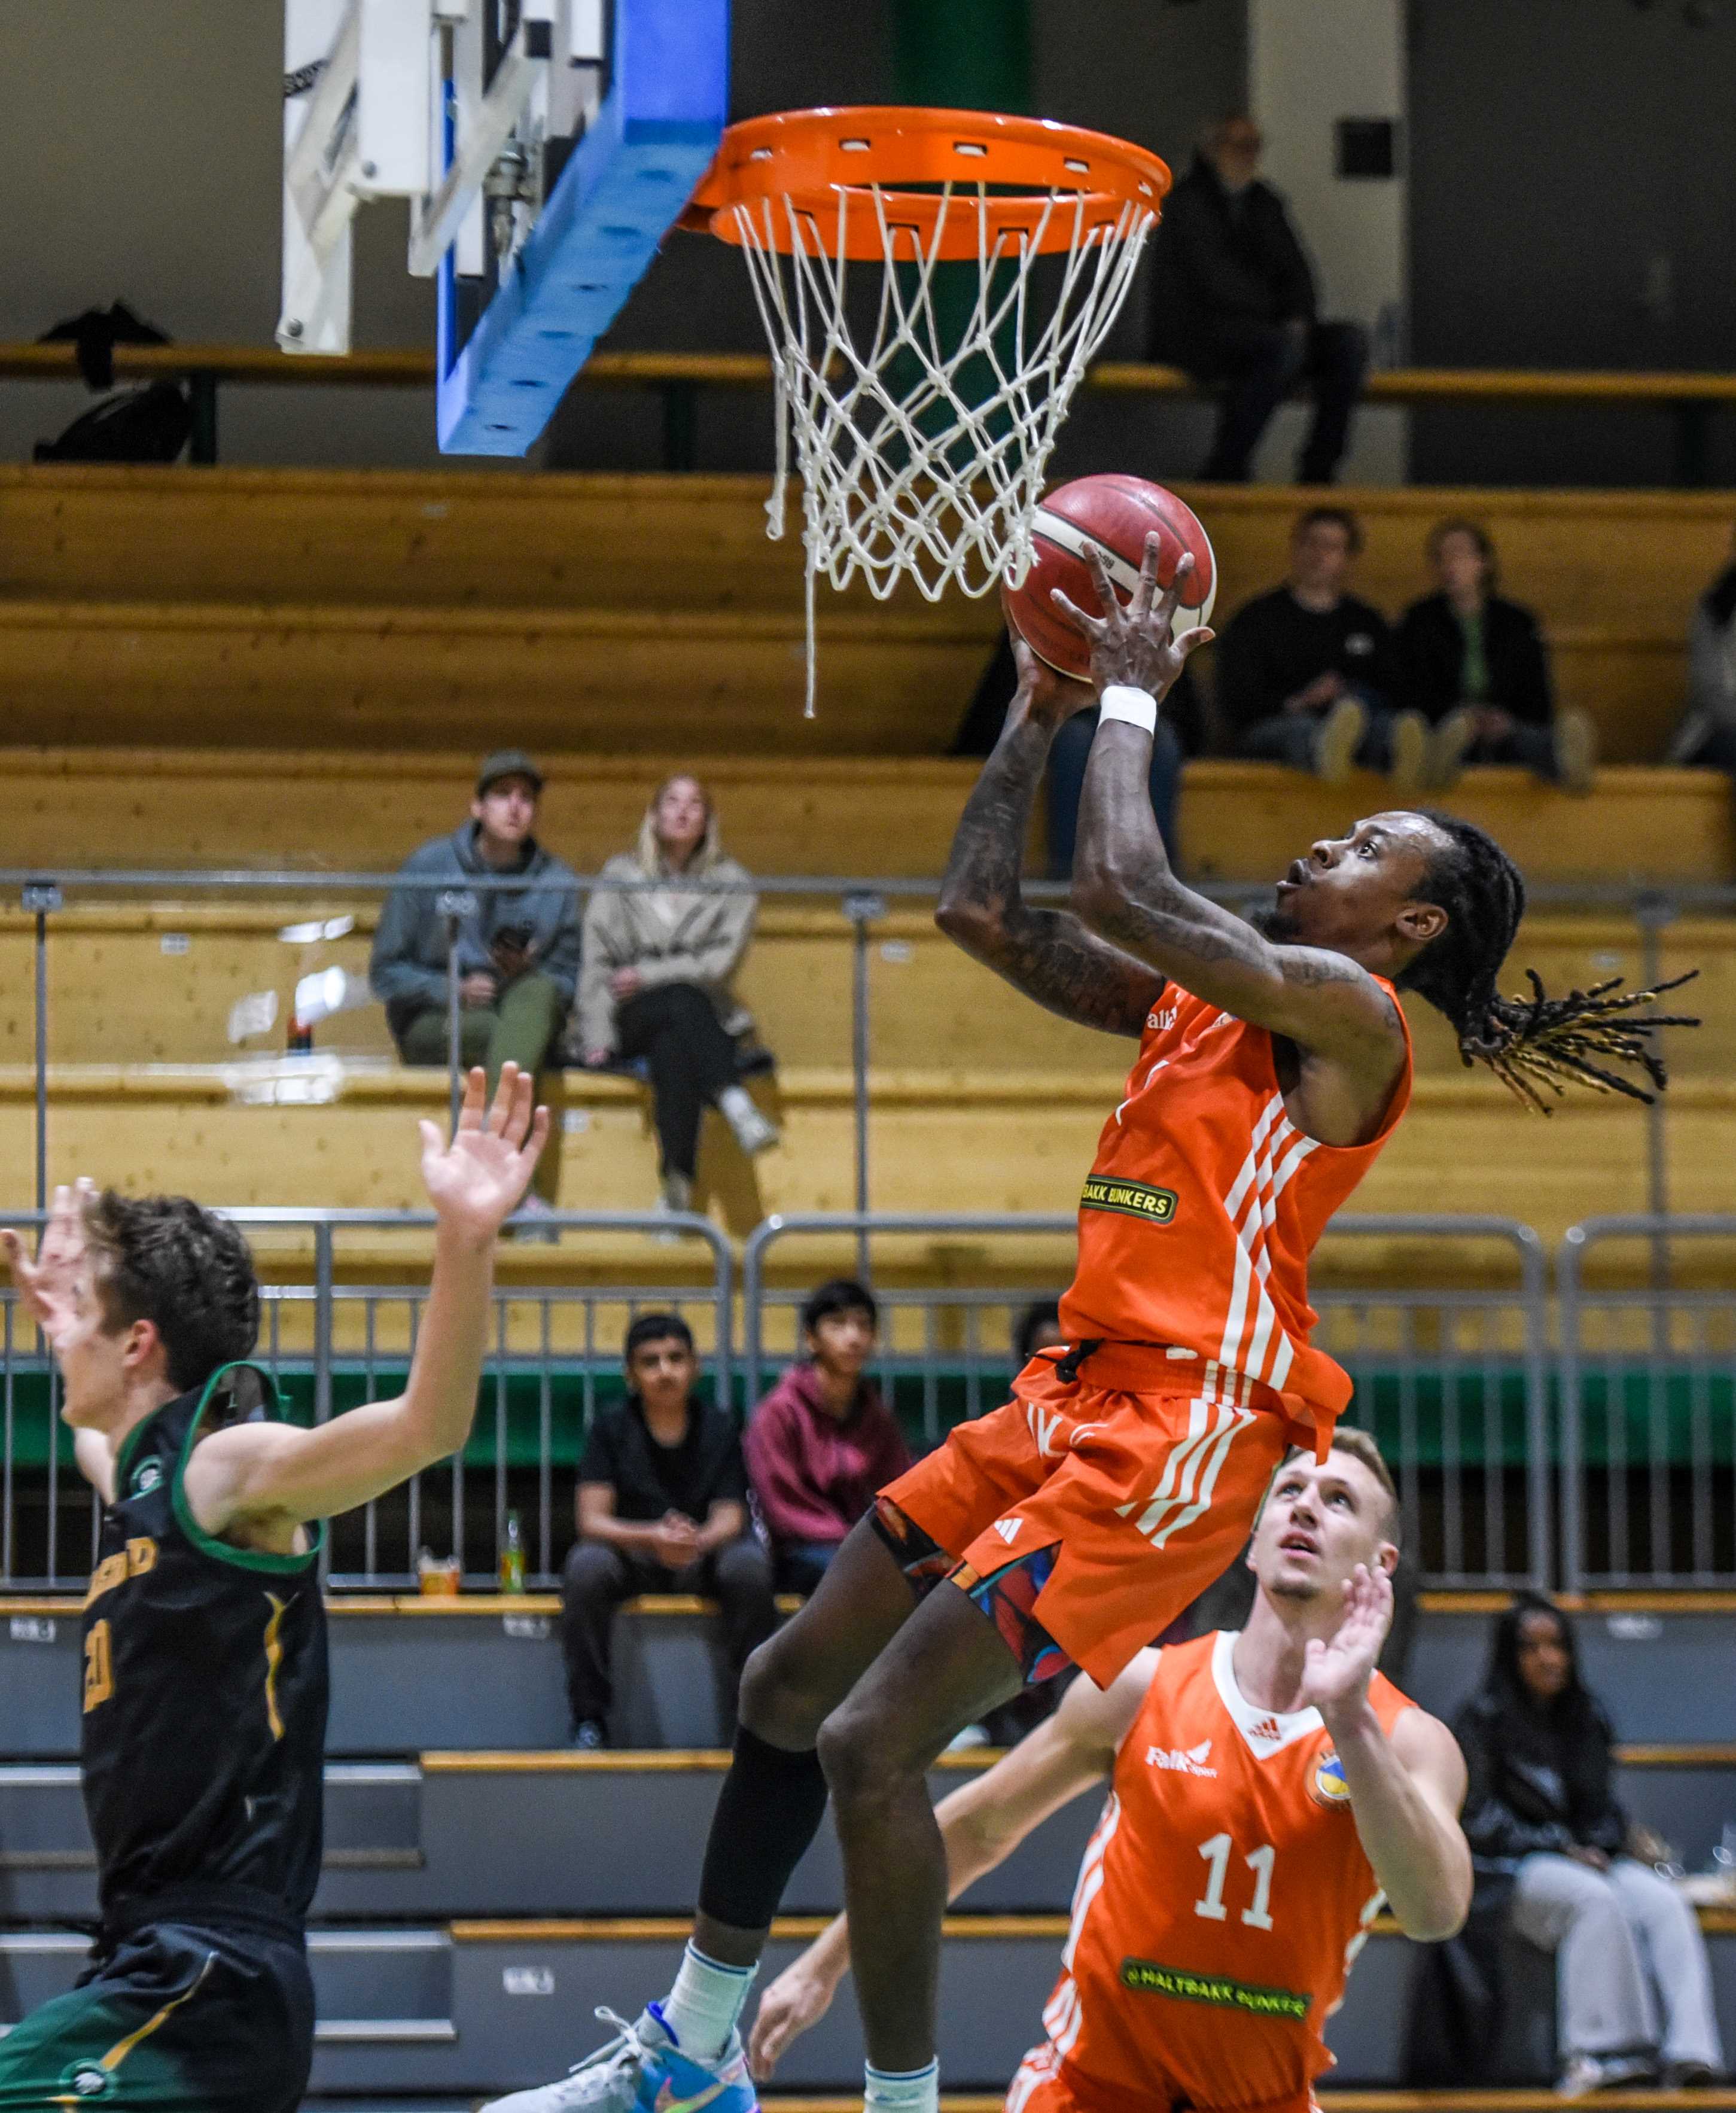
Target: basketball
pixel 1116 514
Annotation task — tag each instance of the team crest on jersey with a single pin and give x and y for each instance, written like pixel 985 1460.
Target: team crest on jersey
pixel 146 1476
pixel 1128 1199
pixel 1328 1787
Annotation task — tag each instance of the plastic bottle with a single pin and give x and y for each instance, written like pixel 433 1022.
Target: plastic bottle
pixel 513 1556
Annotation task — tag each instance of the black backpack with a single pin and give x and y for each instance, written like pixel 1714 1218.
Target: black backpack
pixel 147 424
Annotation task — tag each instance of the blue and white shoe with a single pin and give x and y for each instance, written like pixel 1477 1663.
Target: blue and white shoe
pixel 643 2070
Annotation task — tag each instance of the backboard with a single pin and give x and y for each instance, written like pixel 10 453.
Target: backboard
pixel 546 147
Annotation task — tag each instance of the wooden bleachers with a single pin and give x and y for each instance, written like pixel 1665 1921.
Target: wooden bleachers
pixel 336 608
pixel 331 810
pixel 980 1101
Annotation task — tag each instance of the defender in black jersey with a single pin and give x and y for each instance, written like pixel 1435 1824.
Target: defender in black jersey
pixel 205 1682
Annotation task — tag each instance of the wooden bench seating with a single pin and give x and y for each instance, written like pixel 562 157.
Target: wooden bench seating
pixel 942 1140
pixel 155 985
pixel 249 807
pixel 437 577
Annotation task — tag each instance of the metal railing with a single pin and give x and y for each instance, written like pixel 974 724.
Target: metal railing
pixel 1689 399
pixel 1453 1384
pixel 1647 1382
pixel 334 1336
pixel 1626 1431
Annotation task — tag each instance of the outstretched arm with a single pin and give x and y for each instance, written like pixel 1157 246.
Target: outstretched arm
pixel 275 1473
pixel 1047 954
pixel 1123 889
pixel 1406 1790
pixel 982 1824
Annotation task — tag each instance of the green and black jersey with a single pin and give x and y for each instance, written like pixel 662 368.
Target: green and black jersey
pixel 205 1680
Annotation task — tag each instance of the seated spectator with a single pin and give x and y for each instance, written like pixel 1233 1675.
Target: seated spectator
pixel 1233 301
pixel 659 966
pixel 1039 1329
pixel 823 1442
pixel 1305 674
pixel 1180 733
pixel 662 1507
pixel 1476 667
pixel 517 954
pixel 1707 737
pixel 1633 1989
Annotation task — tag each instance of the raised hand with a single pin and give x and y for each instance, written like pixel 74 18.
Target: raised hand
pixel 1131 643
pixel 1336 1673
pixel 50 1286
pixel 475 1182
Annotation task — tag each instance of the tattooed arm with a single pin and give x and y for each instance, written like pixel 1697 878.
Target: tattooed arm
pixel 1047 954
pixel 1123 889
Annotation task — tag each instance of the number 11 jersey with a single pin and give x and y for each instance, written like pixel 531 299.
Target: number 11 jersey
pixel 1220 1904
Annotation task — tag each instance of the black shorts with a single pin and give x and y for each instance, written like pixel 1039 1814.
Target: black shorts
pixel 202 2016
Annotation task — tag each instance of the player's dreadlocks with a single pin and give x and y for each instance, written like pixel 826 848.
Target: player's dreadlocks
pixel 1536 1044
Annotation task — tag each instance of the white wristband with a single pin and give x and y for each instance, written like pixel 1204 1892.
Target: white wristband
pixel 1137 707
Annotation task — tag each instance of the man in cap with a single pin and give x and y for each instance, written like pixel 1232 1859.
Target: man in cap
pixel 517 953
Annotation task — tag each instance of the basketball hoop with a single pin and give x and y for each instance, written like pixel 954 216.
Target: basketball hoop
pixel 921 445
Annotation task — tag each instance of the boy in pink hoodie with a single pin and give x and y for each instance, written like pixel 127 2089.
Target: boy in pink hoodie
pixel 823 1442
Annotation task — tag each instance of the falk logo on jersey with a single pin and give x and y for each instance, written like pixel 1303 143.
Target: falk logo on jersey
pixel 1329 1787
pixel 1163 1020
pixel 1191 1762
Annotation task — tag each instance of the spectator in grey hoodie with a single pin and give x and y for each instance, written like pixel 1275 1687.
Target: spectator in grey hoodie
pixel 518 951
pixel 658 983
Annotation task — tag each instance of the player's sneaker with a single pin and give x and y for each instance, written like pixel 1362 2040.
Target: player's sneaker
pixel 642 2070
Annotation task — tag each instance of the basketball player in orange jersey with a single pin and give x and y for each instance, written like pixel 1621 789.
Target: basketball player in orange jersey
pixel 1266 1791
pixel 1078 1521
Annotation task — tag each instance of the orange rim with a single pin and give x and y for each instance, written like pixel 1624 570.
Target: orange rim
pixel 826 162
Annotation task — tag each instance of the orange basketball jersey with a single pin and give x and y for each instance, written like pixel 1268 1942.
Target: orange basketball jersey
pixel 1220 1904
pixel 1203 1207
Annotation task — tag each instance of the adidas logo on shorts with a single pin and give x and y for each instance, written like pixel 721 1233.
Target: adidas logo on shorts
pixel 1190 1762
pixel 1008 1529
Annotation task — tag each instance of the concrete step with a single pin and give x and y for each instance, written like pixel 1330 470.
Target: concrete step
pixel 518 1996
pixel 560 1834
pixel 410 1676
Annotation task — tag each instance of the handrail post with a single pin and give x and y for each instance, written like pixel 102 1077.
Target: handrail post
pixel 202 400
pixel 324 1277
pixel 680 402
pixel 40 896
pixel 1690 443
pixel 454 905
pixel 1653 911
pixel 860 909
pixel 1568 1264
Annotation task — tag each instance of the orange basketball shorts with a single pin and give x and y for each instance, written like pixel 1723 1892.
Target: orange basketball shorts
pixel 1123 1499
pixel 1045 2084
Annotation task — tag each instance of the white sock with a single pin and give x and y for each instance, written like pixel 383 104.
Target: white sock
pixel 736 1105
pixel 902 2090
pixel 702 2008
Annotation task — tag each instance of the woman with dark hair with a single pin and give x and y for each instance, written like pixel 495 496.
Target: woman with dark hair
pixel 1633 1989
pixel 1475 666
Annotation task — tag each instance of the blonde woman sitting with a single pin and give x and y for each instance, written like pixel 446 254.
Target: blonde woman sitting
pixel 655 981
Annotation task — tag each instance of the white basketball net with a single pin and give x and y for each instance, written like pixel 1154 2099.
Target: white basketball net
pixel 922 457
